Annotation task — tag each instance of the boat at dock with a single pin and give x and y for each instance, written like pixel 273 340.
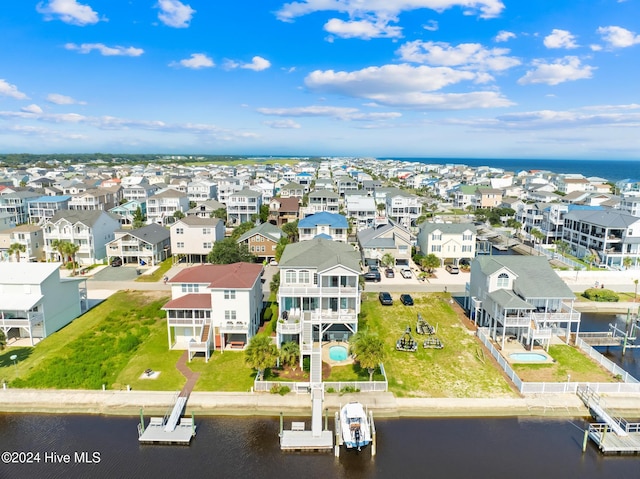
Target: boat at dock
pixel 354 423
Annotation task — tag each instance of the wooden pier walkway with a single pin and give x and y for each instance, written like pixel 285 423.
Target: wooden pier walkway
pixel 173 428
pixel 613 435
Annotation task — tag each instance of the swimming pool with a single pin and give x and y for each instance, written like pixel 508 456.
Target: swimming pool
pixel 527 357
pixel 338 353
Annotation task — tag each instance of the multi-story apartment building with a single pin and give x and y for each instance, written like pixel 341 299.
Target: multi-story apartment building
pixel 193 237
pixel 162 206
pixel 16 205
pixel 242 206
pixel 214 306
pixel 90 230
pixel 319 294
pixel 42 209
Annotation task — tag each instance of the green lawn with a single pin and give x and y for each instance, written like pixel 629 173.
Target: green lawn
pixel 158 274
pixel 569 362
pixel 224 372
pixel 93 349
pixel 455 371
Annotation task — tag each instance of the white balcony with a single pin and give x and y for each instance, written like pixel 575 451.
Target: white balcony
pixel 27 320
pixel 315 291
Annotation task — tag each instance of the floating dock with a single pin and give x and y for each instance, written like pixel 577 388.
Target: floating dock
pixel 170 429
pixel 613 435
pixel 299 439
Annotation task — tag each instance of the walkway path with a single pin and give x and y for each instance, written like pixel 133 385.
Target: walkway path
pixel 192 377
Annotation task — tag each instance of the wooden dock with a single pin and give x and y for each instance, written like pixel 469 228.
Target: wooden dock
pixel 613 435
pixel 156 433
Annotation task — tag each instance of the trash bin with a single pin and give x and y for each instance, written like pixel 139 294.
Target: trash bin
pixel 138 272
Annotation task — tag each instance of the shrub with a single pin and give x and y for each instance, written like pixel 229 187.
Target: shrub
pixel 267 314
pixel 331 390
pixel 349 389
pixel 280 389
pixel 306 364
pixel 601 295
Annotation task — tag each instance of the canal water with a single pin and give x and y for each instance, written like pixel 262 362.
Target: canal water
pixel 99 447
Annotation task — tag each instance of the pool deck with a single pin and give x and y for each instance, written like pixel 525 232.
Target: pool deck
pixel 325 353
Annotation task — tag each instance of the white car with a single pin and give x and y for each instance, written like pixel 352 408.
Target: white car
pixel 273 262
pixel 406 273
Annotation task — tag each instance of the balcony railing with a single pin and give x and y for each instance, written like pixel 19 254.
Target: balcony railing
pixel 318 291
pixel 289 327
pixel 229 327
pixel 28 319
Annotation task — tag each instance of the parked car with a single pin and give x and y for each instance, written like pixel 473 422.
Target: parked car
pixel 389 273
pixel 372 276
pixel 452 269
pixel 406 273
pixel 406 299
pixel 115 262
pixel 385 298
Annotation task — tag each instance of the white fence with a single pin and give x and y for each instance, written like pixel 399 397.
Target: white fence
pixel 305 387
pixel 630 384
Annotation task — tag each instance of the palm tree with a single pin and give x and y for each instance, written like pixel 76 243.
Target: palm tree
pixel 16 248
pixel 368 350
pixel 627 262
pixel 261 354
pixel 589 258
pixel 70 249
pixel 59 246
pixel 635 292
pixel 388 260
pixel 289 353
pixel 430 262
pixel 3 340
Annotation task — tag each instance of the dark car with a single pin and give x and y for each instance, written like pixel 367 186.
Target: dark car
pixel 116 262
pixel 406 299
pixel 389 273
pixel 452 269
pixel 385 298
pixel 372 276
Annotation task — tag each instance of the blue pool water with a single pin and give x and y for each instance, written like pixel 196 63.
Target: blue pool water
pixel 337 353
pixel 527 357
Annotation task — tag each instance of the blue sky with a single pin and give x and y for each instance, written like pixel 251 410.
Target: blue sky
pixel 404 78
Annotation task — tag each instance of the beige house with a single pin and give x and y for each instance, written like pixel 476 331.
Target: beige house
pixel 30 236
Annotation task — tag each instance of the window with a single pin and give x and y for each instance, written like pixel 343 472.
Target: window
pixel 179 244
pixel 179 231
pixel 436 248
pixel 503 280
pixel 229 294
pixel 436 236
pixel 303 277
pixel 466 249
pixel 289 276
pixel 207 245
pixel 230 315
pixel 467 237
pixel 189 288
pixel 206 231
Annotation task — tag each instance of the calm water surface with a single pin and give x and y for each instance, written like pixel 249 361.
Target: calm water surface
pixel 248 447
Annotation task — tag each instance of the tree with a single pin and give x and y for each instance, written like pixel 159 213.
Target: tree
pixel 430 262
pixel 291 230
pixel 261 354
pixel 264 213
pixel 289 354
pixel 537 234
pixel 563 248
pixel 368 350
pixel 178 215
pixel 627 262
pixel 227 251
pixel 138 218
pixel 282 244
pixel 220 213
pixel 241 229
pixel 274 284
pixel 635 292
pixel 16 249
pixel 388 260
pixel 589 258
pixel 3 340
pixel 381 207
pixel 70 249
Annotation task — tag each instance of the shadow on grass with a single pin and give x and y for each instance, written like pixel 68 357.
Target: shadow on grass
pixel 21 353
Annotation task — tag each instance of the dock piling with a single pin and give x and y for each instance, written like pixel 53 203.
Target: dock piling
pixel 585 439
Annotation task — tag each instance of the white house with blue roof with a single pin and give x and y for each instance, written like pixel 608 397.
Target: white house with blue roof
pixel 332 226
pixel 43 208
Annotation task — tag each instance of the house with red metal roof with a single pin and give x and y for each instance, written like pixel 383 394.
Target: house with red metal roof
pixel 214 307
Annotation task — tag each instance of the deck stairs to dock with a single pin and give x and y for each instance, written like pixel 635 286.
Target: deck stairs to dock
pixel 316 366
pixel 307 337
pixel 206 330
pixel 591 399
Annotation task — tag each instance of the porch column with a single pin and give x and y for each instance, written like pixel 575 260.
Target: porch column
pixel 168 331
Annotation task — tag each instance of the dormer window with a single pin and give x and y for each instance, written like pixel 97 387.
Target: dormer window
pixel 503 280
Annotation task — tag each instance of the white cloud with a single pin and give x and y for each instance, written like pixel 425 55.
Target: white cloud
pixel 363 29
pixel 564 69
pixel 467 55
pixel 257 64
pixel 608 115
pixel 431 26
pixel 105 50
pixel 69 11
pixel 7 89
pixel 504 36
pixel 63 99
pixel 33 108
pixel 174 13
pixel 195 62
pixel 560 39
pixel 618 37
pixel 340 113
pixel 386 9
pixel 405 86
pixel 282 124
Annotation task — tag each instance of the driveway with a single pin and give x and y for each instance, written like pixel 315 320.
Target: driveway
pixel 121 273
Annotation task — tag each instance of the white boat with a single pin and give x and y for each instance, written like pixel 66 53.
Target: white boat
pixel 354 423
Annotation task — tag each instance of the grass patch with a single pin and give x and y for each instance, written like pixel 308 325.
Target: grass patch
pixel 158 274
pixel 569 362
pixel 352 372
pixel 93 349
pixel 455 371
pixel 224 372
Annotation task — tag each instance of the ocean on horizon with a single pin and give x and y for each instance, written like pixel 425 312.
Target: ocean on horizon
pixel 612 170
